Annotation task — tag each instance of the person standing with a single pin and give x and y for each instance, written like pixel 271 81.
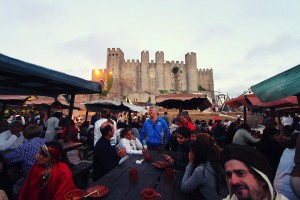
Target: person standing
pixel 185 120
pixel 155 130
pixel 105 116
pixel 166 118
pixel 295 174
pixel 52 125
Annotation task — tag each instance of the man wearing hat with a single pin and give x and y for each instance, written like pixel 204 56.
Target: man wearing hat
pixel 185 120
pixel 248 174
pixel 13 137
pixel 155 130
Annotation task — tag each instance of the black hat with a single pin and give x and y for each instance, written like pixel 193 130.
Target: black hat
pixel 248 155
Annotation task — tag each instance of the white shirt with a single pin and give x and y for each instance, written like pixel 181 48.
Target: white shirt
pixel 97 133
pixel 10 141
pixel 282 177
pixel 287 121
pixel 131 146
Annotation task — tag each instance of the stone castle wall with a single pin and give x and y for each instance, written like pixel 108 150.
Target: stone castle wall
pixel 140 80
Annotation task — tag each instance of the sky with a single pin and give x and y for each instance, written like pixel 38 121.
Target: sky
pixel 243 41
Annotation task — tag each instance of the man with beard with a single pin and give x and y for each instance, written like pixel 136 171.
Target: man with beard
pixel 248 174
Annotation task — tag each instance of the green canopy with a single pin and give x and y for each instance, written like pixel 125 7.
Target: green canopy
pixel 279 86
pixel 21 78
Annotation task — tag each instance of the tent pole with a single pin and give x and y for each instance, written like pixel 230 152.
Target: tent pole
pixel 245 114
pixel 273 116
pixel 86 114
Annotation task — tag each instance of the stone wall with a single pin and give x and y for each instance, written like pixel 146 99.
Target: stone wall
pixel 146 78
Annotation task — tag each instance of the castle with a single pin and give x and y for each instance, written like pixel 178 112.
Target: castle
pixel 141 81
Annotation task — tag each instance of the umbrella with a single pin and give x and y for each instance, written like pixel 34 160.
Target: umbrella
pixel 183 101
pixel 43 101
pixel 113 105
pixel 279 86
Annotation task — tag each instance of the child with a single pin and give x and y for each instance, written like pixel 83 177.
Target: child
pixel 131 144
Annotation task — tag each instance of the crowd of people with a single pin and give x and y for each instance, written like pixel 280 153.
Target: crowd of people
pixel 221 159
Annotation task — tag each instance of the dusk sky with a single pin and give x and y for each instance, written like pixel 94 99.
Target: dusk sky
pixel 243 41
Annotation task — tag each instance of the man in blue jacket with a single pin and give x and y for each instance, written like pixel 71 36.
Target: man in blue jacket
pixel 155 131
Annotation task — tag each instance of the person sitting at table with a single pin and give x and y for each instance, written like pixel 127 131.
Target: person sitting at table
pixel 131 144
pixel 6 184
pixel 25 154
pixel 13 137
pixel 155 130
pixel 3 125
pixel 195 133
pixel 204 177
pixel 183 138
pixel 106 157
pixel 49 178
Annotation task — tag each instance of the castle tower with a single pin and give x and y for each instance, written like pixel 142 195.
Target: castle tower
pixel 115 59
pixel 191 72
pixel 206 80
pixel 159 70
pixel 144 81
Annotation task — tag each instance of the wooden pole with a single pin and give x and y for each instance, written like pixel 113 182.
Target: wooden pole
pixel 245 114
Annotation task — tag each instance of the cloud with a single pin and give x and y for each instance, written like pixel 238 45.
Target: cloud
pixel 284 44
pixel 29 12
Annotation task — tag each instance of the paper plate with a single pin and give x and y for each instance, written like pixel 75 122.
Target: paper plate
pixel 161 164
pixel 101 191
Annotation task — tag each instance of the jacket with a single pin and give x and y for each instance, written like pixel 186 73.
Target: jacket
pixel 154 133
pixel 274 195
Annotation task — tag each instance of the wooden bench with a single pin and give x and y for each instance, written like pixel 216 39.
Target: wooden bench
pixel 81 173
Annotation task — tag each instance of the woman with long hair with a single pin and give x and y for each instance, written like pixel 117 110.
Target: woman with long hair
pixel 204 177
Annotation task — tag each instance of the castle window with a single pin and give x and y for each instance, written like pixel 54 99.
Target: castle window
pixel 109 54
pixel 181 71
pixel 113 54
pixel 116 54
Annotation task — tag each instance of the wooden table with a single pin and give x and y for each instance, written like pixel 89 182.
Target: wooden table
pixel 67 146
pixel 121 187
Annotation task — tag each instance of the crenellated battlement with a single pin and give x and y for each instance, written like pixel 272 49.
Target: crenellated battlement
pixel 140 75
pixel 205 70
pixel 191 53
pixel 114 50
pixel 132 61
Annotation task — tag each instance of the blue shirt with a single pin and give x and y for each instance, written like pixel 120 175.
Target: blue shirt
pixel 26 154
pixel 154 131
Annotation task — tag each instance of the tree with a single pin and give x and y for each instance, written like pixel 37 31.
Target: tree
pixel 109 81
pixel 175 70
pixel 200 88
